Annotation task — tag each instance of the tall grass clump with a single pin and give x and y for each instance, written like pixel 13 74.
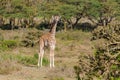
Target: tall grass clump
pixel 8 44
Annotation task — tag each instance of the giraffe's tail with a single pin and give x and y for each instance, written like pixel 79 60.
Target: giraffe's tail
pixel 35 42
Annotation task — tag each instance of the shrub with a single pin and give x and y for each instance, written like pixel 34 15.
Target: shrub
pixel 30 39
pixel 104 63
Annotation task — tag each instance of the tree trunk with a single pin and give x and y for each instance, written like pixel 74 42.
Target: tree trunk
pixel 65 26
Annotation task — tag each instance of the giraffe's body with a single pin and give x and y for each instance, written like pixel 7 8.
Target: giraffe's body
pixel 48 40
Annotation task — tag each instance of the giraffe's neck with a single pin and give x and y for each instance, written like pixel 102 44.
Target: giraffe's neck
pixel 53 28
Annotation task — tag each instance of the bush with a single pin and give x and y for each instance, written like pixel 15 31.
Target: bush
pixel 104 63
pixel 100 66
pixel 30 39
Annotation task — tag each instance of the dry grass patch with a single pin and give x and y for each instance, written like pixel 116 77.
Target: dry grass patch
pixel 8 64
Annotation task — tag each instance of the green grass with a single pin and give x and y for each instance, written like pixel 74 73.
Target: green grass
pixel 112 78
pixel 57 78
pixel 30 60
pixel 24 59
pixel 73 35
pixel 8 44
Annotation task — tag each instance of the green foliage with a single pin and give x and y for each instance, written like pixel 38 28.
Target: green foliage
pixel 67 11
pixel 110 34
pixel 66 8
pixel 93 8
pixel 17 8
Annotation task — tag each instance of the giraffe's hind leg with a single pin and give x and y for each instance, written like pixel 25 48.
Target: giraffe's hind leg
pixel 40 57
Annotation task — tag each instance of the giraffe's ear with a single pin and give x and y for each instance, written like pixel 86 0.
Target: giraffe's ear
pixel 52 19
pixel 57 18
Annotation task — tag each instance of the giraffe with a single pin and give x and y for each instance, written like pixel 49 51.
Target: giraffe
pixel 48 40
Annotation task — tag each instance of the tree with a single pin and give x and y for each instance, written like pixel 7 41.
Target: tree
pixel 74 11
pixel 104 12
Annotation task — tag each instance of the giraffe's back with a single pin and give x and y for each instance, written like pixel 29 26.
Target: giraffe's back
pixel 48 39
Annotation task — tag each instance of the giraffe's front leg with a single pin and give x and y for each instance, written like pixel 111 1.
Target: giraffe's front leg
pixel 38 59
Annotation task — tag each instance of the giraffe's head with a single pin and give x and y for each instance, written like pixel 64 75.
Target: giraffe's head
pixel 55 18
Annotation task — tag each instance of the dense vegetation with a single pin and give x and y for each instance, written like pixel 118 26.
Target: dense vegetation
pixel 100 17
